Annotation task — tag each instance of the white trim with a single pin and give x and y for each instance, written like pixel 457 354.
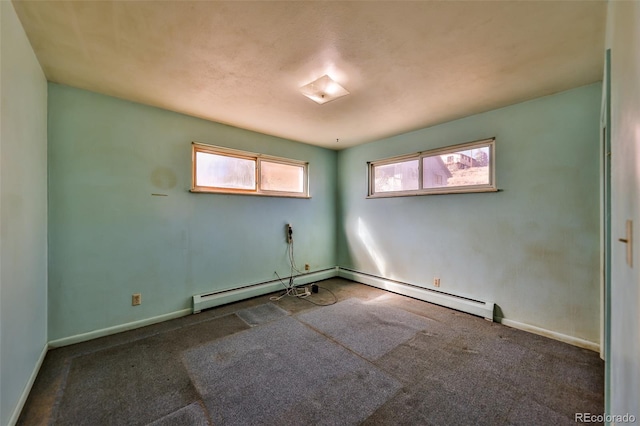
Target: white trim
pixel 475 307
pixel 467 190
pixel 257 159
pixel 210 300
pixel 246 154
pixel 83 337
pixel 575 341
pixel 461 304
pixel 27 389
pixel 451 301
pixel 490 186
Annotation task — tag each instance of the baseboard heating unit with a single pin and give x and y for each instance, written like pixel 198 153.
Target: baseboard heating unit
pixel 474 307
pixel 218 298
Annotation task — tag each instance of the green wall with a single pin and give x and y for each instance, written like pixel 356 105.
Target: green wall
pixel 532 248
pixel 109 237
pixel 23 215
pixel 623 362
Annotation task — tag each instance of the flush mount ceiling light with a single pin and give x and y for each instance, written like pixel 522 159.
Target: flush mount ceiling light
pixel 323 90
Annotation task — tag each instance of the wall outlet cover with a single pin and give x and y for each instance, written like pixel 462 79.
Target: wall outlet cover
pixel 136 299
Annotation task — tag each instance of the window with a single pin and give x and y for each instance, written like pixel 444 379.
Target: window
pixel 216 169
pixel 399 176
pixel 468 167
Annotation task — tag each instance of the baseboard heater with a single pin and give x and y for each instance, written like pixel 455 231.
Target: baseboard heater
pixel 474 307
pixel 217 298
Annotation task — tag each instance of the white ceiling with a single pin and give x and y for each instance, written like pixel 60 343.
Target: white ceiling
pixel 408 65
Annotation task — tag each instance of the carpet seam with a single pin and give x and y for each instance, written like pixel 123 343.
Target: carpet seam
pixel 55 409
pixel 138 339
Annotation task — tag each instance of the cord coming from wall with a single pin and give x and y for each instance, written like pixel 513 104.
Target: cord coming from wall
pixel 290 288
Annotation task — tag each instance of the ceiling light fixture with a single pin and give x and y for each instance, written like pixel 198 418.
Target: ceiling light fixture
pixel 323 90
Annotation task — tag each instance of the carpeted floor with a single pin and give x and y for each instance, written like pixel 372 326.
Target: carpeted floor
pixel 283 372
pixel 373 358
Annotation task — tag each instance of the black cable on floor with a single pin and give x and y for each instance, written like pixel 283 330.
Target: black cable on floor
pixel 335 298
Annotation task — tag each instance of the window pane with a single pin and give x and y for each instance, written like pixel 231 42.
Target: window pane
pixel 435 173
pixel 467 167
pixel 402 176
pixel 221 171
pixel 281 177
pixel 460 168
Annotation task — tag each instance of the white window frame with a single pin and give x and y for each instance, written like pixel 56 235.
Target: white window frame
pixel 489 187
pixel 258 158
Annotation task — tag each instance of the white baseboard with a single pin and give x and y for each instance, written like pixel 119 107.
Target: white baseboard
pixel 575 341
pixel 474 307
pixel 83 337
pixel 236 295
pixel 25 392
pixel 211 300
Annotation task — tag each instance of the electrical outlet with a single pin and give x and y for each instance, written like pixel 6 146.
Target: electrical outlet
pixel 307 267
pixel 289 230
pixel 136 299
pixel 436 282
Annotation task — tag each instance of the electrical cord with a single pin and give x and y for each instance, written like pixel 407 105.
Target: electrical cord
pixel 335 298
pixel 291 289
pixel 292 259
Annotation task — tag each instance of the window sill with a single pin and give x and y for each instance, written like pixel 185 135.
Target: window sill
pixel 251 193
pixel 443 192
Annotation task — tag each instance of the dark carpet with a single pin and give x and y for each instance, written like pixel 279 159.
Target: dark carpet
pixel 374 358
pixel 138 382
pixel 272 374
pixel 191 415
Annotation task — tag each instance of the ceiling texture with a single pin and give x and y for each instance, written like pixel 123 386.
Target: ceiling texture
pixel 407 65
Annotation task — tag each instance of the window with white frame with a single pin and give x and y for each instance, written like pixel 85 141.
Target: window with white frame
pixel 224 170
pixel 468 167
